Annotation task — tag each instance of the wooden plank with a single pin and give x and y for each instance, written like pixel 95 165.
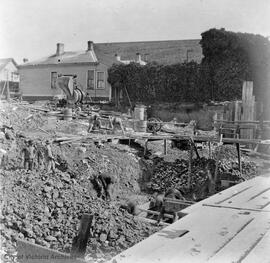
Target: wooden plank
pixel 261 252
pixel 238 208
pixel 197 245
pixel 243 243
pixel 241 192
pixel 79 243
pixel 210 233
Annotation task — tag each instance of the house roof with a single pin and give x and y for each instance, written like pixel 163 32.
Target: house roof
pixel 68 57
pixel 5 61
pixel 165 52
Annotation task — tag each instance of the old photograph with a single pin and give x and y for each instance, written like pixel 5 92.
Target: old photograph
pixel 134 131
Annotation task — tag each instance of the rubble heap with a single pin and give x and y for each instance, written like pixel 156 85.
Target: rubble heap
pixel 46 210
pixel 175 174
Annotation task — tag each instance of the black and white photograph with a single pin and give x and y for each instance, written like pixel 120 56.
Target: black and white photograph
pixel 135 131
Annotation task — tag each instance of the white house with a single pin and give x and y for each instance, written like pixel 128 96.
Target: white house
pixel 37 78
pixel 8 70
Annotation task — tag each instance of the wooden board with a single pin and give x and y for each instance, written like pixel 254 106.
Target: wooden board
pixel 261 252
pixel 251 194
pixel 211 234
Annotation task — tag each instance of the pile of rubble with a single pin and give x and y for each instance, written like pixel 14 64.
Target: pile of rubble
pixel 175 174
pixel 45 209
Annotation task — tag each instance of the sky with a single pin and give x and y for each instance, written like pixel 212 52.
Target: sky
pixel 31 28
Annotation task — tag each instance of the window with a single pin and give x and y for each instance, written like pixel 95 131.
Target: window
pixel 53 80
pixel 14 76
pixel 90 79
pixel 100 80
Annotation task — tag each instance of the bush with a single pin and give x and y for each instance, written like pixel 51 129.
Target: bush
pixel 229 59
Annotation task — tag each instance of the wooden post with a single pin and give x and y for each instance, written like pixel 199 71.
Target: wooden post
pixel 195 148
pixel 190 164
pixel 8 91
pixel 218 157
pixel 165 147
pixel 210 151
pixel 239 157
pixel 79 243
pixel 145 146
pixel 128 97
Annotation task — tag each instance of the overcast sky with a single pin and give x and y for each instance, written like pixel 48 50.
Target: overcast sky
pixel 31 28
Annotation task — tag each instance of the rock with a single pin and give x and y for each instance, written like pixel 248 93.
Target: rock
pixel 21 235
pixel 50 238
pixel 47 189
pixel 59 204
pixel 55 194
pixel 59 185
pixel 103 237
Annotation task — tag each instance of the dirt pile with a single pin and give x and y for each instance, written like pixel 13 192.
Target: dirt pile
pixel 46 210
pixel 175 174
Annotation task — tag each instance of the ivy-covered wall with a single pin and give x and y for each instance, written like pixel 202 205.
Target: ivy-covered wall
pixel 229 59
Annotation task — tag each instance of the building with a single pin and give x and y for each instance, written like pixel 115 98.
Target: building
pixel 164 52
pixel 37 78
pixel 8 70
pixel 9 77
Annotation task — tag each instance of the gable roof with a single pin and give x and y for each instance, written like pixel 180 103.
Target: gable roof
pixel 68 57
pixel 5 61
pixel 164 52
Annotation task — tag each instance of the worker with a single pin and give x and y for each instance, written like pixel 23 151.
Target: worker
pixel 98 186
pixel 167 207
pixel 94 122
pixel 207 188
pixel 50 158
pixel 116 122
pixel 130 207
pixel 39 156
pixel 108 181
pixel 28 153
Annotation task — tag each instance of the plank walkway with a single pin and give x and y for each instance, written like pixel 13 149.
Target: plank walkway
pixel 231 226
pixel 164 136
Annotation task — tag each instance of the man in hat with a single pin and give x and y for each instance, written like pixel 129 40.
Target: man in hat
pixel 94 122
pixel 116 122
pixel 50 158
pixel 28 155
pixel 104 184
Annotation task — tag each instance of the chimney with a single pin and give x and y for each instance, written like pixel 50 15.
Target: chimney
pixel 146 55
pixel 59 49
pixel 25 60
pixel 90 46
pixel 138 57
pixel 117 57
